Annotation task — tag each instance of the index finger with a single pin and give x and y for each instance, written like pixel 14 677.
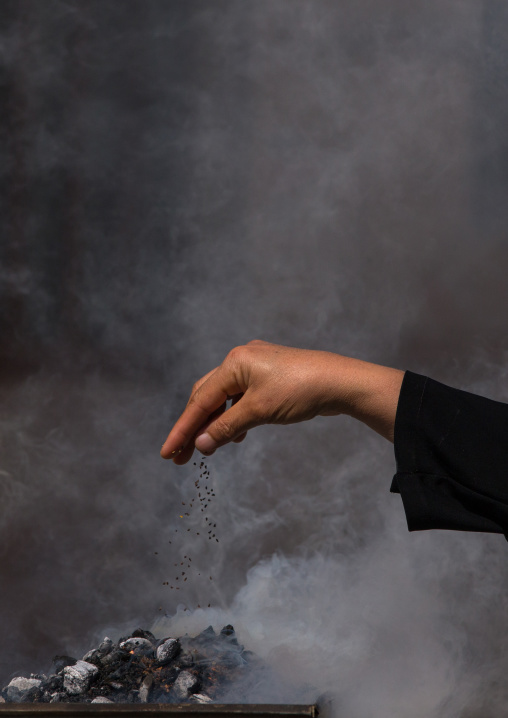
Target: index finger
pixel 208 395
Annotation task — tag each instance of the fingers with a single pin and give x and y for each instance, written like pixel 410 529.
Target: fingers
pixel 208 396
pixel 232 425
pixel 184 456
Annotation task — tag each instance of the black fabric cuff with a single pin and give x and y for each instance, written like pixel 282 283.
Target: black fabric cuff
pixel 443 440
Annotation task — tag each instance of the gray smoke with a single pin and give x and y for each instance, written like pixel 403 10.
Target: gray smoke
pixel 179 178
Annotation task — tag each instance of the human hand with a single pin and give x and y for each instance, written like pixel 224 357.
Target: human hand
pixel 272 384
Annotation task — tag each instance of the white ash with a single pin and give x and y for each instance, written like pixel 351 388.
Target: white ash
pixel 184 684
pixel 102 699
pixel 144 691
pixel 168 650
pixel 200 698
pixel 78 677
pixel 19 688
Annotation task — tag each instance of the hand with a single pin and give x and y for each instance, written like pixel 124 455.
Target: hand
pixel 272 384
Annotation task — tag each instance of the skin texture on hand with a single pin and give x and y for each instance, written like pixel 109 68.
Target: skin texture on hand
pixel 272 384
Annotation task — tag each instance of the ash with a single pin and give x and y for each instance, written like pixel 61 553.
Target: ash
pixel 141 669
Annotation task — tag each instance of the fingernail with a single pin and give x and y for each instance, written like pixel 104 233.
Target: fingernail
pixel 205 443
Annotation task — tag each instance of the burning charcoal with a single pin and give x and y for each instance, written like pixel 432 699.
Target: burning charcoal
pixel 185 684
pixel 129 672
pixel 137 646
pixel 115 685
pixel 60 662
pixel 227 631
pixel 92 656
pixel 121 672
pixel 185 660
pixel 59 697
pixel 115 658
pixel 95 655
pixel 54 683
pixel 105 646
pixel 19 689
pixel 200 698
pixel 141 633
pixel 146 687
pixel 77 678
pixel 168 650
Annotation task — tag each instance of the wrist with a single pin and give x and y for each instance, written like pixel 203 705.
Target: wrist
pixel 369 393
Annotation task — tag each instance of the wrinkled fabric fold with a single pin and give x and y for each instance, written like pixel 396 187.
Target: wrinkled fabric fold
pixel 451 449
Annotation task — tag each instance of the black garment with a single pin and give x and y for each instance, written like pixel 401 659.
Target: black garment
pixel 451 449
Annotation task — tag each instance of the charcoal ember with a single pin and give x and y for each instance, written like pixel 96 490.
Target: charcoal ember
pixel 130 674
pixel 167 650
pixel 114 659
pixel 54 683
pixel 138 646
pixel 77 678
pixel 185 684
pixel 228 631
pixel 164 678
pixel 141 633
pixel 217 675
pixel 105 646
pixel 139 669
pixel 116 685
pixel 146 687
pixel 22 689
pixel 61 662
pixel 185 660
pixel 200 698
pixel 58 697
pixel 97 654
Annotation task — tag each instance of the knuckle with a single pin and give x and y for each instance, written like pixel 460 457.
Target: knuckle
pixel 235 355
pixel 225 430
pixel 255 342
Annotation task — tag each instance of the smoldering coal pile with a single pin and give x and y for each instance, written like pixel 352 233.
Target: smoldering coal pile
pixel 141 669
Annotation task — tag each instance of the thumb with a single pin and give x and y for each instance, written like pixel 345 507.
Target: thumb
pixel 228 426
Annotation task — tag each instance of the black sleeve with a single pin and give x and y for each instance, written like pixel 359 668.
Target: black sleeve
pixel 451 449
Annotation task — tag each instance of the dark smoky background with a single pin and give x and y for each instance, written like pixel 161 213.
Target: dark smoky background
pixel 181 177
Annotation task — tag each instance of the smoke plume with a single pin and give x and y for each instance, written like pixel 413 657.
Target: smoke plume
pixel 180 178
